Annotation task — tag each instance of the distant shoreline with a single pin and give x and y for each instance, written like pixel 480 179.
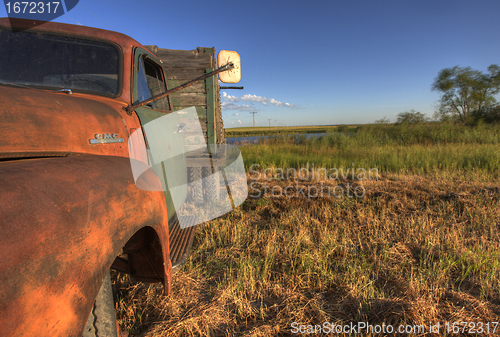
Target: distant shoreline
pixel 285 130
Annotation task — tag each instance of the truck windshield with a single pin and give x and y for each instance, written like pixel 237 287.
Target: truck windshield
pixel 57 62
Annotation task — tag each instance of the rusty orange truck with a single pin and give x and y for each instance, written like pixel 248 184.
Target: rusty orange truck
pixel 71 99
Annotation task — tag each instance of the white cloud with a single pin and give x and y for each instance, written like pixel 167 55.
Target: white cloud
pixel 229 98
pixel 235 114
pixel 232 106
pixel 265 100
pixel 227 102
pixel 254 98
pixel 239 121
pixel 229 106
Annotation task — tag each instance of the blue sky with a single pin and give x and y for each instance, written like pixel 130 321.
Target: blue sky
pixel 317 62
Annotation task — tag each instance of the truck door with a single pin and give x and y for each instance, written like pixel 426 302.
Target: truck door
pixel 164 138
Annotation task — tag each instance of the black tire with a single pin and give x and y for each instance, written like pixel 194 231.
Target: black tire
pixel 211 185
pixel 196 184
pixel 102 319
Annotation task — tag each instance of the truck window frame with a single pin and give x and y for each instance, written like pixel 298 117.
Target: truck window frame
pixel 118 48
pixel 142 58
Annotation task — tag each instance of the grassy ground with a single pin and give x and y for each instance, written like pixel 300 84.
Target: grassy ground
pixel 402 149
pixel 416 244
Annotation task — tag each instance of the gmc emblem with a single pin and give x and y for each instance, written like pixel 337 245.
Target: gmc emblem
pixel 103 138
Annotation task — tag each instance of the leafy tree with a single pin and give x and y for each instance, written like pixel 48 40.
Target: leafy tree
pixel 410 117
pixel 442 116
pixel 465 90
pixel 489 114
pixel 384 120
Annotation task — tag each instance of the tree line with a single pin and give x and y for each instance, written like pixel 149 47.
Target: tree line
pixel 467 95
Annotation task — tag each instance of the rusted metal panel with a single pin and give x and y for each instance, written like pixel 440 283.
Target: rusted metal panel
pixel 57 124
pixel 120 264
pixel 145 261
pixel 24 131
pixel 59 240
pixel 181 239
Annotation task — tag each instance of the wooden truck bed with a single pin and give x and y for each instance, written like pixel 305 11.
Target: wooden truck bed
pixel 184 65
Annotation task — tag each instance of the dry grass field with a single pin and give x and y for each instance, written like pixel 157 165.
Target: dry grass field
pixel 418 246
pixel 414 250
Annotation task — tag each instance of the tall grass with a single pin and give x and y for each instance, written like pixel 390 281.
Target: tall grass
pixel 428 133
pixel 395 148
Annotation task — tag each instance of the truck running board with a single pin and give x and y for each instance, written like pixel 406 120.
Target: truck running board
pixel 181 241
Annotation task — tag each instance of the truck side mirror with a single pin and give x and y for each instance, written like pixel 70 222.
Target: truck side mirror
pixel 230 76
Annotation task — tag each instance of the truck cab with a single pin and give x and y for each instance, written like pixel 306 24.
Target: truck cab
pixel 71 208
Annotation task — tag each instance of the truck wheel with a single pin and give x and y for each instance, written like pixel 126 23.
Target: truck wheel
pixel 196 185
pixel 102 319
pixel 211 185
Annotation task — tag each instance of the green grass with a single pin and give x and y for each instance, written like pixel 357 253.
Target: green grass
pixel 391 148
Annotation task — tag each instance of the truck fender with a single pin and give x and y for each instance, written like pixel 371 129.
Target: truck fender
pixel 62 223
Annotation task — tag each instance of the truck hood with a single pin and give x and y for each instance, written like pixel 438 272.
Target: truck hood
pixel 38 123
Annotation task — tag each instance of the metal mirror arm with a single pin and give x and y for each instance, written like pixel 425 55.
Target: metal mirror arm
pixel 131 108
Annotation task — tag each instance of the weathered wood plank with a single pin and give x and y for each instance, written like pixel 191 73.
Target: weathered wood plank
pixel 178 62
pixel 200 50
pixel 212 131
pixel 188 99
pixel 152 48
pixel 183 58
pixel 197 87
pixel 189 54
pixel 221 136
pixel 183 73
